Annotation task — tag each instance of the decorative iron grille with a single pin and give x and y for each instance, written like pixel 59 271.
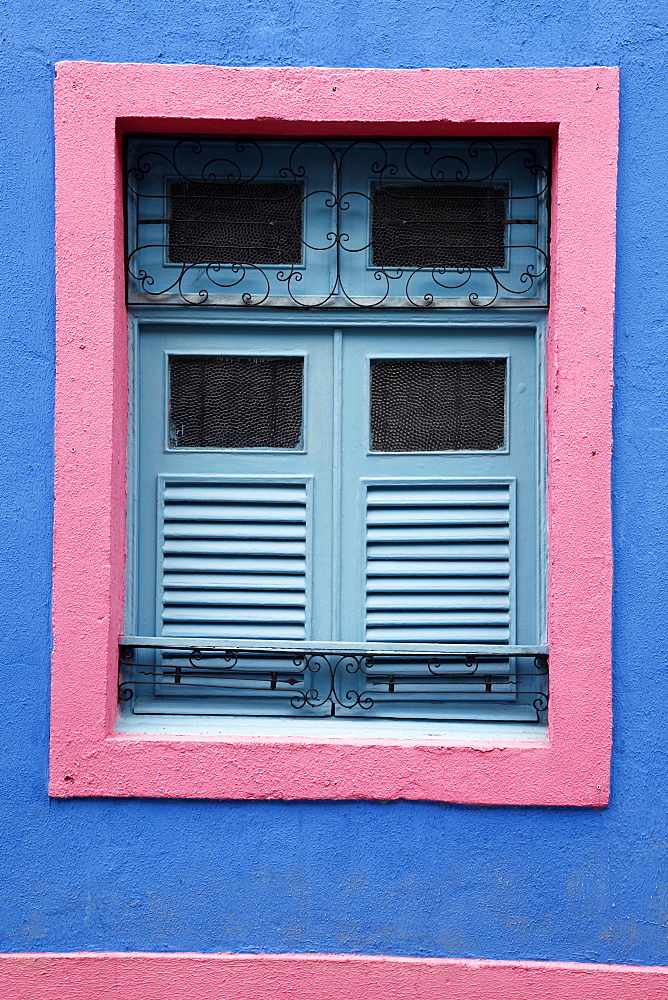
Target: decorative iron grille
pixel 421 223
pixel 337 681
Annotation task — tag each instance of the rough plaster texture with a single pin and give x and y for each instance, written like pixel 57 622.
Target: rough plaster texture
pixel 402 878
pixel 579 107
pixel 139 976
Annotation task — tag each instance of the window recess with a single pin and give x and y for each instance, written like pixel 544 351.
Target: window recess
pixel 337 521
pixel 421 223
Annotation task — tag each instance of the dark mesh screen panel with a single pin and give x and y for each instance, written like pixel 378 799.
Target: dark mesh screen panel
pixel 235 223
pixel 440 225
pixel 438 405
pixel 235 402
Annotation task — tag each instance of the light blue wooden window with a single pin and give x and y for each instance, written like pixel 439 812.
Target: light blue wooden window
pixel 319 497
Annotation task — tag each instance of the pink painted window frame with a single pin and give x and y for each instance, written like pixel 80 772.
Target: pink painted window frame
pixel 95 105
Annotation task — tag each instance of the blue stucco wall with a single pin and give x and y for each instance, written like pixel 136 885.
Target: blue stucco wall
pixel 401 878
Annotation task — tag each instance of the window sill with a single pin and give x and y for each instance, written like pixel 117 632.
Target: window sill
pixel 335 731
pixel 214 758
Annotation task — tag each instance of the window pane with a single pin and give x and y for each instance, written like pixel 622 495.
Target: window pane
pixel 444 225
pixel 438 404
pixel 235 223
pixel 235 402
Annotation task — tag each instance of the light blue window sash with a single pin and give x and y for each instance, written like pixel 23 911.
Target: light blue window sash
pixel 335 549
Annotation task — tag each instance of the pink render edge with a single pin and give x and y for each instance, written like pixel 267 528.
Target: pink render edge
pixel 95 105
pixel 180 976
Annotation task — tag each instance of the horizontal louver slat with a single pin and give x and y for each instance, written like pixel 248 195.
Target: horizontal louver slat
pixel 200 580
pixel 439 568
pixel 421 632
pixel 410 517
pixel 236 530
pixel 439 550
pixel 234 512
pixel 398 496
pixel 438 533
pixel 235 546
pixel 222 598
pixel 235 615
pixel 215 492
pixel 434 594
pixel 258 630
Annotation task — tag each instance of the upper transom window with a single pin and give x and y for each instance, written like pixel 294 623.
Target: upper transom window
pixel 419 222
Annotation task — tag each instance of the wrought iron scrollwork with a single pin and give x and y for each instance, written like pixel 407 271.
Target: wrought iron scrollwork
pixel 333 682
pixel 481 168
pixel 330 665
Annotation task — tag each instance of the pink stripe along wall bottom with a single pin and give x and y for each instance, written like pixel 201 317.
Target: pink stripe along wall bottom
pixel 183 976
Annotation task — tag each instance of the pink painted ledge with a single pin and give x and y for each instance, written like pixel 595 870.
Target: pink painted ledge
pixel 181 976
pixel 95 105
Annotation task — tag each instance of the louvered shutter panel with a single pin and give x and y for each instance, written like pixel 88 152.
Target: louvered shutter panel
pixel 234 559
pixel 234 566
pixel 438 563
pixel 440 569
